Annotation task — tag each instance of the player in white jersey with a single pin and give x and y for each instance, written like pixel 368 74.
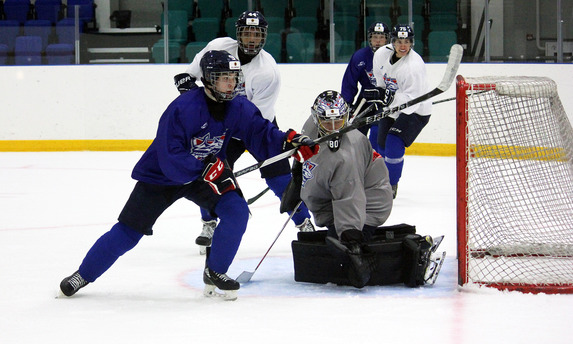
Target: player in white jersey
pixel 346 185
pixel 400 76
pixel 261 86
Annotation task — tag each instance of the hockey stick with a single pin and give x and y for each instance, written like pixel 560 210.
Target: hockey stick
pixel 290 152
pixel 257 196
pixel 246 276
pixel 454 60
pixel 454 98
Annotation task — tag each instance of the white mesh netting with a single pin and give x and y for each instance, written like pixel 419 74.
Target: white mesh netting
pixel 519 183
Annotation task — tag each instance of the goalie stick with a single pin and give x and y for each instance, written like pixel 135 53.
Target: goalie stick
pixel 246 276
pixel 454 60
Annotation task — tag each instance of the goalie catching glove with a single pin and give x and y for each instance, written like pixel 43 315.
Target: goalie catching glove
pixel 306 148
pixel 219 178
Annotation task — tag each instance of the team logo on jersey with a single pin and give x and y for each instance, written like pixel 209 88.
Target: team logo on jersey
pixel 241 90
pixel 391 83
pixel 201 147
pixel 307 171
pixel 371 77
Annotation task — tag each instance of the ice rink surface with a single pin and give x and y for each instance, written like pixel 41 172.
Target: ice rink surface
pixel 55 205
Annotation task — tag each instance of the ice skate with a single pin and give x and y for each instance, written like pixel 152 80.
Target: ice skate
pixel 71 284
pixel 306 226
pixel 227 286
pixel 434 266
pixel 204 239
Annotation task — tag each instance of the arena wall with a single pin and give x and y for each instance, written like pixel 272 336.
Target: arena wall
pixel 117 107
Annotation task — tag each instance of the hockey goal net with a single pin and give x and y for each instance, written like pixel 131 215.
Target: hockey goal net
pixel 514 185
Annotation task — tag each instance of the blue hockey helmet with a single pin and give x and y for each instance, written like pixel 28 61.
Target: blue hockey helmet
pixel 378 28
pixel 216 64
pixel 251 32
pixel 402 31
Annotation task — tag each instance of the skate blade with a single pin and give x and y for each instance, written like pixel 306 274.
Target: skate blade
pixel 433 271
pixel 211 291
pixel 202 250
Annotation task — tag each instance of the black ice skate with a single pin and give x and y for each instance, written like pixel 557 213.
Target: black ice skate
pixel 204 239
pixel 71 284
pixel 224 283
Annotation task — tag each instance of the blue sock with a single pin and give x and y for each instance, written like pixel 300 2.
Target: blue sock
pixel 373 137
pixel 394 157
pixel 233 216
pixel 107 249
pixel 206 216
pixel 278 185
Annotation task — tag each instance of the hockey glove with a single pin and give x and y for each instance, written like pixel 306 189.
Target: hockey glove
pixel 184 82
pixel 291 195
pixel 306 148
pixel 379 96
pixel 219 178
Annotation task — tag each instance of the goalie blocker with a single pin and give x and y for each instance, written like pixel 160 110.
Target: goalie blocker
pixel 396 254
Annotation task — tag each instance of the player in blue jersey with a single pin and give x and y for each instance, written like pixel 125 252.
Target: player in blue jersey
pixel 359 71
pixel 187 160
pixel 261 85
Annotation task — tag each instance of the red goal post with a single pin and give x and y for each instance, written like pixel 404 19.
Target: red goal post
pixel 514 185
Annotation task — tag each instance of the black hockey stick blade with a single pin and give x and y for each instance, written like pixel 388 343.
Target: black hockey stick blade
pixel 456 53
pixel 246 276
pixel 257 196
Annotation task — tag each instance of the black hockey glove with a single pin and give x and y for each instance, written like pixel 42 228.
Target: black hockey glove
pixel 291 195
pixel 184 82
pixel 306 147
pixel 219 178
pixel 379 96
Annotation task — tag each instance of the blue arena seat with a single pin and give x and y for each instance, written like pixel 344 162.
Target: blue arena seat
pixel 86 12
pixel 3 54
pixel 65 30
pixel 51 10
pixel 20 10
pixel 9 30
pixel 60 54
pixel 42 28
pixel 28 50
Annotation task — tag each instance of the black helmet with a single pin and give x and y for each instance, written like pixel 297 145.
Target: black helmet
pixel 378 28
pixel 402 31
pixel 252 21
pixel 217 63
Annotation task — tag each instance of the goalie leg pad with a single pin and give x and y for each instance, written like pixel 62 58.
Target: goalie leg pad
pixel 417 257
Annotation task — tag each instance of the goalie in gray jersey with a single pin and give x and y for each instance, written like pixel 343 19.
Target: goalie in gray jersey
pixel 346 186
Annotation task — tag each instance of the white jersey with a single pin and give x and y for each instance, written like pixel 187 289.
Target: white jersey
pixel 262 79
pixel 348 188
pixel 407 77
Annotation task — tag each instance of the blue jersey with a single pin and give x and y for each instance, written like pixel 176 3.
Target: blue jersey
pixel 359 70
pixel 187 134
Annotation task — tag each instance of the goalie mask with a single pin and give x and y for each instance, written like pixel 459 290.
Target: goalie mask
pixel 221 74
pixel 330 113
pixel 251 32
